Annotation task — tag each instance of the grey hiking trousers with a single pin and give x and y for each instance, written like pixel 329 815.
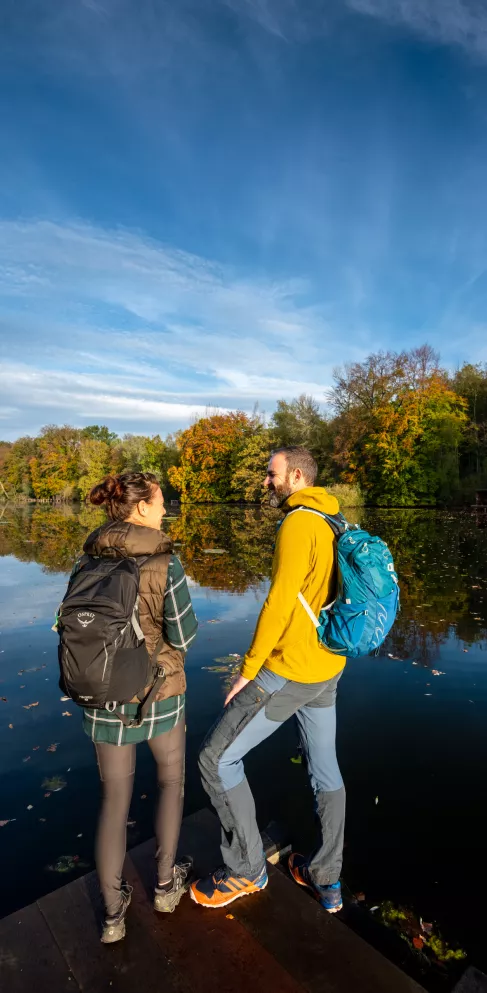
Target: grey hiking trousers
pixel 253 715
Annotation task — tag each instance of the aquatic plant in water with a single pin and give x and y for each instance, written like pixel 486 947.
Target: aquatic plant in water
pixel 420 936
pixel 54 784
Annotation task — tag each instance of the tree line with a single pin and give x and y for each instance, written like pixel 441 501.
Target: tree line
pixel 397 430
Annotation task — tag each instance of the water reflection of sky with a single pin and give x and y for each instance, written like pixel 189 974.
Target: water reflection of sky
pixel 414 740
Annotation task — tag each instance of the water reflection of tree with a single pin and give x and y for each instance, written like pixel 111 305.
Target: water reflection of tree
pixel 51 536
pixel 246 537
pixel 441 559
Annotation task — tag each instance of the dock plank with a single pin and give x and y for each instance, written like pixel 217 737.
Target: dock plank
pixel 72 914
pixel 317 949
pixel 29 956
pixel 280 939
pixel 221 950
pixel 321 952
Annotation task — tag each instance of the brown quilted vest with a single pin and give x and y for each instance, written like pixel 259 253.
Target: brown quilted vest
pixel 119 539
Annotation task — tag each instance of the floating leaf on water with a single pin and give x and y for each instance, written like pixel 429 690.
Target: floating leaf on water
pixel 66 713
pixel 131 824
pixel 214 620
pixel 297 759
pixel 67 863
pixel 54 784
pixel 8 821
pixel 11 726
pixel 3 699
pixel 30 807
pixel 27 706
pixel 53 747
pixel 27 758
pixel 376 800
pixel 65 698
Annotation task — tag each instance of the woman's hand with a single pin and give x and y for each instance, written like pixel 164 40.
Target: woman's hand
pixel 237 686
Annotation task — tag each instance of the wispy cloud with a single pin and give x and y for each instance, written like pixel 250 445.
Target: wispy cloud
pixel 459 22
pixel 140 331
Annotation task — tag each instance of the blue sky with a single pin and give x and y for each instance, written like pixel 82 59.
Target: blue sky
pixel 212 203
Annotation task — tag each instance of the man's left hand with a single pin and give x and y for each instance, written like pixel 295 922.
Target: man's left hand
pixel 237 686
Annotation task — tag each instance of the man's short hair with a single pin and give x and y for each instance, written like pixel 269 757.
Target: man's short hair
pixel 298 457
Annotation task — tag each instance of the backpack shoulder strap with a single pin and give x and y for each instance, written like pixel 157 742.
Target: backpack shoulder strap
pixel 339 525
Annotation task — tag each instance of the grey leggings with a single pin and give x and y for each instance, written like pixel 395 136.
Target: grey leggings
pixel 117 769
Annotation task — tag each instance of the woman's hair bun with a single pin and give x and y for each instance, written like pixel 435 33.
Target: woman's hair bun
pixel 109 489
pixel 122 493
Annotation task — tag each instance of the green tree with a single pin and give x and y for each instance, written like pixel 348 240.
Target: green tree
pixel 99 432
pixel 5 447
pixel 139 453
pixel 299 422
pixel 93 464
pixel 470 382
pixel 248 477
pixel 16 473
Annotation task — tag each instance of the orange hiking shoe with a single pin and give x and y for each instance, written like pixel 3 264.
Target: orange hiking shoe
pixel 223 887
pixel 329 896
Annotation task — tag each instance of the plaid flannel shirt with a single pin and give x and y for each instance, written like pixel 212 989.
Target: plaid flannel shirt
pixel 180 625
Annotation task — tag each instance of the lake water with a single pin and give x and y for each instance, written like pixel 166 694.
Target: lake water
pixel 412 723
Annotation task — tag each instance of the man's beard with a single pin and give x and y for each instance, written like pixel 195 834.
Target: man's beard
pixel 279 494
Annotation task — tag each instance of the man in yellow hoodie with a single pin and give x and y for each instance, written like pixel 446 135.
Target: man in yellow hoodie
pixel 286 672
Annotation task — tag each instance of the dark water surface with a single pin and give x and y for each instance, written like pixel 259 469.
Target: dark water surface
pixel 412 744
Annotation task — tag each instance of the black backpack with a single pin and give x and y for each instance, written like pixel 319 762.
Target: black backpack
pixel 103 657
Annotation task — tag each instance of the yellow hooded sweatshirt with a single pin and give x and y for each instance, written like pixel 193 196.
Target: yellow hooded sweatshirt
pixel 285 639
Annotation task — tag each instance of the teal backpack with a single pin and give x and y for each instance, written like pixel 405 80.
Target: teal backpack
pixel 367 601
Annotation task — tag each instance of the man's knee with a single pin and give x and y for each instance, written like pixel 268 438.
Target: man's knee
pixel 208 764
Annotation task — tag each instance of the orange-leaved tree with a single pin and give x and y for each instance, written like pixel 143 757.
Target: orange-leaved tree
pixel 209 452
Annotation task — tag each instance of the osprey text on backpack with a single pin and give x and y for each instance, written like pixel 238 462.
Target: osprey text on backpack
pixel 103 657
pixel 367 601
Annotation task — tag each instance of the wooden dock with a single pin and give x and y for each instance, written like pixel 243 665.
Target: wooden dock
pixel 279 940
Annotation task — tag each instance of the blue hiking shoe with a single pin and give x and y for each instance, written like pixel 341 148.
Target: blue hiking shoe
pixel 223 887
pixel 329 896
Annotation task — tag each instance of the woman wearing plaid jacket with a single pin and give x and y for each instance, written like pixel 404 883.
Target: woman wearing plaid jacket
pixel 135 506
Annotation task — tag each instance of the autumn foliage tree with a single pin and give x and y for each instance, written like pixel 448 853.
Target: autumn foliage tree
pixel 55 467
pixel 209 452
pixel 399 428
